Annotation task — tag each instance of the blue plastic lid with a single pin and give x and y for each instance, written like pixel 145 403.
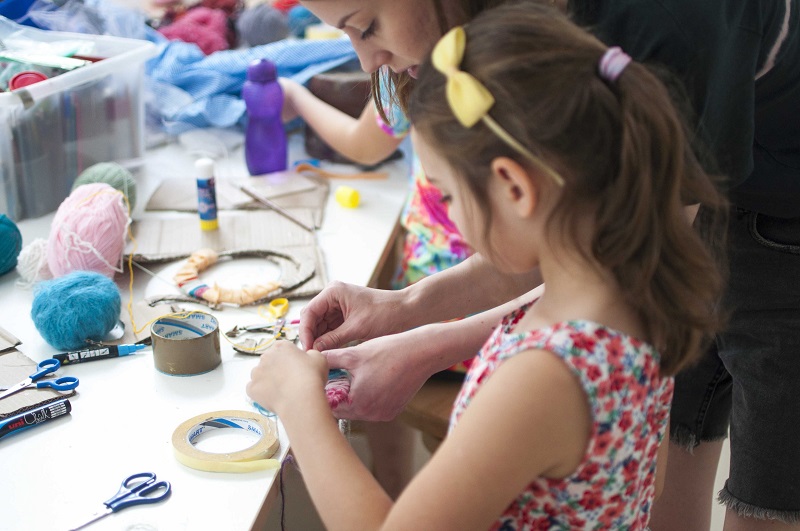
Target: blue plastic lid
pixel 262 71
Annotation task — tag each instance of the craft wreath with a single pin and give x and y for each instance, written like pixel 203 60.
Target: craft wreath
pixel 293 274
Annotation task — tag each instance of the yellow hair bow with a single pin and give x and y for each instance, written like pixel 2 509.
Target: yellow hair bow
pixel 469 99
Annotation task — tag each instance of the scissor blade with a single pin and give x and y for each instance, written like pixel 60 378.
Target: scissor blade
pixel 14 388
pixel 95 517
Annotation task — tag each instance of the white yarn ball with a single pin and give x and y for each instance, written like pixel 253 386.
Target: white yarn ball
pixel 32 263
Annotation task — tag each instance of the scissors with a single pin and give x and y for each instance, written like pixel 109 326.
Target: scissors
pixel 65 383
pixel 135 490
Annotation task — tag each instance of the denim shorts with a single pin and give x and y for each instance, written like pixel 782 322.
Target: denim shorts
pixel 749 381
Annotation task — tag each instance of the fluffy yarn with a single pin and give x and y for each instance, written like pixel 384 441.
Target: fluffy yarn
pixel 32 264
pixel 112 174
pixel 79 306
pixel 299 19
pixel 88 232
pixel 262 24
pixel 337 388
pixel 10 244
pixel 201 25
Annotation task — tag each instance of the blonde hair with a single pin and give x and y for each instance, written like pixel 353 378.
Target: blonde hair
pixel 621 148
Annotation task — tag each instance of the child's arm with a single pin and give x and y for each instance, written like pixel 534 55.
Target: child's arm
pixel 359 139
pixel 513 432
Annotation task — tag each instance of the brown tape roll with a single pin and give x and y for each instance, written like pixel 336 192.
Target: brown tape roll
pixel 186 344
pixel 255 457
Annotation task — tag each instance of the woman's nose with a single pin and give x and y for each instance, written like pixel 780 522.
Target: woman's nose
pixel 371 57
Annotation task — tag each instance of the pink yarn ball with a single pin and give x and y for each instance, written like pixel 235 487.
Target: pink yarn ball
pixel 88 232
pixel 201 25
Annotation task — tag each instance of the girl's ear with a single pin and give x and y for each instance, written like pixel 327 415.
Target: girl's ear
pixel 515 185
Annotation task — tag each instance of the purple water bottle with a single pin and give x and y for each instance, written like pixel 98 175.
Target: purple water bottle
pixel 265 138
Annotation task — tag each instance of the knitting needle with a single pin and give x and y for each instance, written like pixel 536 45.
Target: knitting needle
pixel 271 204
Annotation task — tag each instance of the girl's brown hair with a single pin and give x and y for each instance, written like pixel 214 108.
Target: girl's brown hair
pixel 621 148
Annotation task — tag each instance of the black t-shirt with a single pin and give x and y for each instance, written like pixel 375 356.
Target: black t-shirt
pixel 739 61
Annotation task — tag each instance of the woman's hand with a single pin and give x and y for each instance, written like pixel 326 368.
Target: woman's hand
pixel 286 375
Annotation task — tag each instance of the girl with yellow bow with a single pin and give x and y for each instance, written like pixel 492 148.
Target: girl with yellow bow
pixel 560 419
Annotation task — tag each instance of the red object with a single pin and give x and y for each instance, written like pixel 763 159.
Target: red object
pixel 23 79
pixel 284 5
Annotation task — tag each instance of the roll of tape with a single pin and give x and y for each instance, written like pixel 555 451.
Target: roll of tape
pixel 256 457
pixel 186 344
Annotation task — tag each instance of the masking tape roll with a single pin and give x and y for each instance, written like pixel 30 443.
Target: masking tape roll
pixel 186 344
pixel 256 457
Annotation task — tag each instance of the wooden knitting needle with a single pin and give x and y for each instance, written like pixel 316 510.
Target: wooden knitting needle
pixel 274 206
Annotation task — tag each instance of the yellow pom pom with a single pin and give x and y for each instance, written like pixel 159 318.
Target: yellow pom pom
pixel 347 197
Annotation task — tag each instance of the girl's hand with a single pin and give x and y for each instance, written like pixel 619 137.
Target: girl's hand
pixel 290 90
pixel 286 375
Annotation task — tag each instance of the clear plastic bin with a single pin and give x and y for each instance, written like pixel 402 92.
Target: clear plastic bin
pixel 53 130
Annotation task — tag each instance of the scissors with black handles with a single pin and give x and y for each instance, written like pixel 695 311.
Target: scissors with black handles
pixel 65 383
pixel 135 490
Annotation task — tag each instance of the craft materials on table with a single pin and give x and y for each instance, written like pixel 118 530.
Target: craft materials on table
pixel 48 366
pixel 276 207
pixel 77 307
pixel 14 367
pixel 186 344
pixel 34 417
pixel 102 352
pixel 254 457
pixel 136 489
pixel 206 194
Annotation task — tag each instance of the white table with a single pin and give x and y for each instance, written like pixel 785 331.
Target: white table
pixel 56 475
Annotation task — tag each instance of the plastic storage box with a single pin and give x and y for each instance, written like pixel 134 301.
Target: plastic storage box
pixel 53 130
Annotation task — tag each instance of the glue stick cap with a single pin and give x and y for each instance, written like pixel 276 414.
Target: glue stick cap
pixel 205 168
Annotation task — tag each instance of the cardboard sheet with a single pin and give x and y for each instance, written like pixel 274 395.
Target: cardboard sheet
pixel 290 190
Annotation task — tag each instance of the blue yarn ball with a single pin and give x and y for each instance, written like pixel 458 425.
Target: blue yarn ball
pixel 10 244
pixel 78 306
pixel 299 19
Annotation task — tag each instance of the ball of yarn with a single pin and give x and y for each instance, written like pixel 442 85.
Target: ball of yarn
pixel 112 174
pixel 262 24
pixel 10 244
pixel 299 19
pixel 88 232
pixel 79 306
pixel 32 263
pixel 205 27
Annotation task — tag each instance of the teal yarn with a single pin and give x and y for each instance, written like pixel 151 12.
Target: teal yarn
pixel 10 244
pixel 78 306
pixel 112 174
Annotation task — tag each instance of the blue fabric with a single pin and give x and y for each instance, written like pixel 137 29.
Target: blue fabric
pixel 193 90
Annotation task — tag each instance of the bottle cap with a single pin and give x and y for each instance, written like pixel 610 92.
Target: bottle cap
pixel 262 71
pixel 23 79
pixel 205 168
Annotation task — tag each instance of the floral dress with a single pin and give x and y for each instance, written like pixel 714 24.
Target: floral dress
pixel 614 485
pixel 432 242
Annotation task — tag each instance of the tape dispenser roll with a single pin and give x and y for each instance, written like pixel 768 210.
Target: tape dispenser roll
pixel 186 344
pixel 255 457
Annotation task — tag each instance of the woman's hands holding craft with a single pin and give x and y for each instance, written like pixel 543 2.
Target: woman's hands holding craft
pixel 286 375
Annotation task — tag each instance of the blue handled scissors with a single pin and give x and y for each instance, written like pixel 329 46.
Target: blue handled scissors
pixel 135 490
pixel 65 383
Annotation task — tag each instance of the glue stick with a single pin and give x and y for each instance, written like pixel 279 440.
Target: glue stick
pixel 206 194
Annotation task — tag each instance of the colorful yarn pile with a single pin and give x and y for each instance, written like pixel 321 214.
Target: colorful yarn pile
pixel 112 174
pixel 10 244
pixel 88 232
pixel 77 307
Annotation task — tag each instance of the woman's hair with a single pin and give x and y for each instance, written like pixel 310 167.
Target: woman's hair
pixel 621 148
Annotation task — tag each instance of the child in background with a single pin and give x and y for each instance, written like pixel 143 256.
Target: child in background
pixel 555 152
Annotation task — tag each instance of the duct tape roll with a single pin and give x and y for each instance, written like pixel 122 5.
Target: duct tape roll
pixel 186 344
pixel 255 457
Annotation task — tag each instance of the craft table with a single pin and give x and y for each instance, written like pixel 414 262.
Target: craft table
pixel 56 475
